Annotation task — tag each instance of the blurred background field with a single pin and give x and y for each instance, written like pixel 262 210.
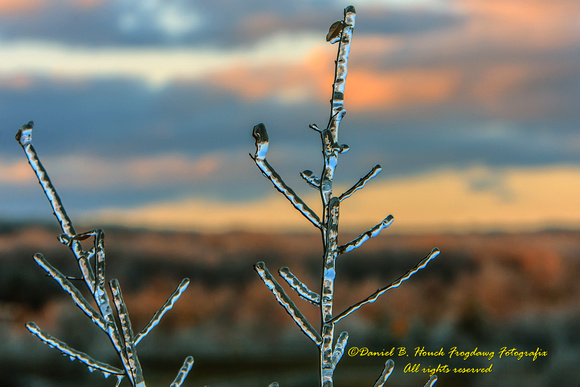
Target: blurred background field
pixel 485 290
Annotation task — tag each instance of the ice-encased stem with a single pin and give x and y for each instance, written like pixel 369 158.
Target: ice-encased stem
pixel 24 138
pixel 361 183
pixel 387 371
pixel 373 297
pixel 373 232
pixel 183 372
pixel 262 143
pixel 299 287
pixel 133 366
pixel 72 353
pixel 95 281
pixel 75 294
pixel 331 150
pixel 164 309
pixel 286 302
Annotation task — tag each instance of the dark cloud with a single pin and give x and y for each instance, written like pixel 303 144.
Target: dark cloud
pixel 223 24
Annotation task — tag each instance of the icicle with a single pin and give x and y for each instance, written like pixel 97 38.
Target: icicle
pixel 261 136
pixel 373 297
pixel 299 287
pixel 373 232
pixel 286 302
pixel 387 371
pixel 164 309
pixel 183 372
pixel 361 183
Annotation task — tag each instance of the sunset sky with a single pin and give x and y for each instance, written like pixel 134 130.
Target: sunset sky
pixel 144 109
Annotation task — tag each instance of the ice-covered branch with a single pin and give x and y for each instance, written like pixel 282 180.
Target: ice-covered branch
pixel 387 371
pixel 311 179
pixel 361 183
pixel 183 372
pixel 261 136
pixel 73 354
pixel 373 232
pixel 130 359
pixel 287 303
pixel 75 294
pixel 339 348
pixel 299 287
pixel 431 381
pixel 373 297
pixel 24 137
pixel 164 309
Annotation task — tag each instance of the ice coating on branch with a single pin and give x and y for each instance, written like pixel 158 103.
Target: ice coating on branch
pixel 361 183
pixel 164 309
pixel 262 142
pixel 183 372
pixel 261 136
pixel 53 342
pixel 387 371
pixel 431 381
pixel 339 348
pixel 286 302
pixel 75 294
pixel 299 287
pixel 93 275
pixel 373 232
pixel 341 32
pixel 311 179
pixel 373 297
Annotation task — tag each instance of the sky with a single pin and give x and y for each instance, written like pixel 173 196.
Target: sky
pixel 144 110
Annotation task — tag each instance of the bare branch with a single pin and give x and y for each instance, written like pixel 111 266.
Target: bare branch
pixel 183 372
pixel 287 303
pixel 387 371
pixel 373 297
pixel 373 232
pixel 299 287
pixel 361 183
pixel 73 354
pixel 164 309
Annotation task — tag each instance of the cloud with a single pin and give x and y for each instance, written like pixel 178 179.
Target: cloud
pixel 475 199
pixel 19 7
pixel 155 66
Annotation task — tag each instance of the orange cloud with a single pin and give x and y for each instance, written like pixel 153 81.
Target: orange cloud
pixel 446 200
pixel 16 7
pixel 387 90
pixel 530 23
pixel 367 88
